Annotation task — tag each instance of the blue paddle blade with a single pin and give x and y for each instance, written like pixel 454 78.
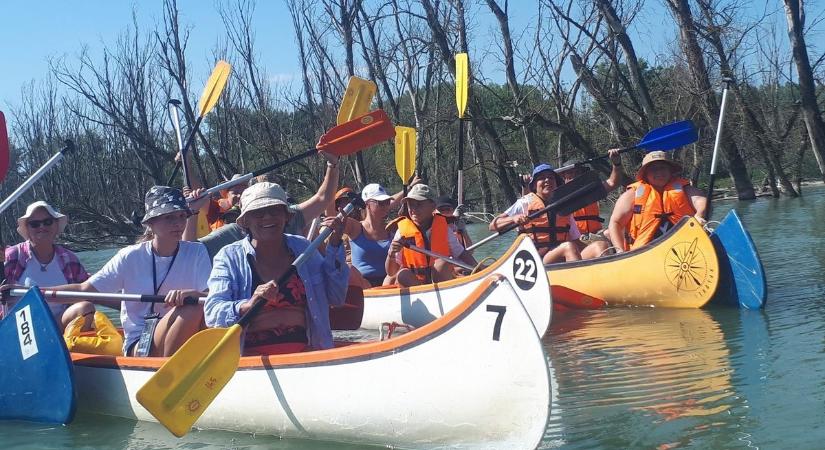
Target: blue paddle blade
pixel 669 137
pixel 36 375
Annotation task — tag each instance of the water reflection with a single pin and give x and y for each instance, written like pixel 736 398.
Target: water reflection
pixel 645 372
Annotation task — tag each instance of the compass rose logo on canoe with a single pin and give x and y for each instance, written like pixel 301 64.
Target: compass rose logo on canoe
pixel 685 266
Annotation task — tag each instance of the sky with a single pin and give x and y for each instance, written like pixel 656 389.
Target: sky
pixel 30 36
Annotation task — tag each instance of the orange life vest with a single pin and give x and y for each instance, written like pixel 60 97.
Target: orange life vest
pixel 214 215
pixel 419 263
pixel 651 208
pixel 588 219
pixel 547 230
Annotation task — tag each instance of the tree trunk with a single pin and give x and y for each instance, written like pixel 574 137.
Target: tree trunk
pixel 636 75
pixel 807 88
pixel 707 98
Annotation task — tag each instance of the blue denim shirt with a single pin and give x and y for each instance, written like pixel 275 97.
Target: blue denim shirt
pixel 324 277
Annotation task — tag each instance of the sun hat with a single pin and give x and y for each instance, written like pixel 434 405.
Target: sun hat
pixel 421 192
pixel 444 200
pixel 62 220
pixel 657 156
pixel 544 167
pixel 261 195
pixel 374 191
pixel 160 200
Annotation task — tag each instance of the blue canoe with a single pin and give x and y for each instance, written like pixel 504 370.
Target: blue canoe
pixel 36 373
pixel 741 275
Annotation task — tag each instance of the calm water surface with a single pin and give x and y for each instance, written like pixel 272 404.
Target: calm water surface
pixel 631 378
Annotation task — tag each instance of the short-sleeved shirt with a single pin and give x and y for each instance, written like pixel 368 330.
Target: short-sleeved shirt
pixel 130 271
pixel 522 206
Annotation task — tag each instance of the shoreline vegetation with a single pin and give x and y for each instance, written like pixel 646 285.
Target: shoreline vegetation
pixel 522 109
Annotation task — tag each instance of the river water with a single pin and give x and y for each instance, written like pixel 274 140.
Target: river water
pixel 630 378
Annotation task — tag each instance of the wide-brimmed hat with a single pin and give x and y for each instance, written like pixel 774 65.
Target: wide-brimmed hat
pixel 657 156
pixel 421 192
pixel 62 220
pixel 374 191
pixel 160 200
pixel 260 196
pixel 544 167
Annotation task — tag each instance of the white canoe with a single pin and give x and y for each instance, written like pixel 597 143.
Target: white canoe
pixel 418 305
pixel 476 377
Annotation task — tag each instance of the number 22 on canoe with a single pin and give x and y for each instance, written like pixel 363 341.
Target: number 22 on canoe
pixel 179 392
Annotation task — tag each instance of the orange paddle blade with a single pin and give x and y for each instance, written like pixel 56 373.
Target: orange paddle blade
pixel 357 134
pixel 571 299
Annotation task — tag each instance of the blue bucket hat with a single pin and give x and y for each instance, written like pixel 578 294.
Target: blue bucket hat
pixel 544 167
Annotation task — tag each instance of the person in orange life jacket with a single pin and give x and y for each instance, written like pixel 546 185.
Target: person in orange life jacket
pixel 553 235
pixel 424 228
pixel 227 208
pixel 657 201
pixel 446 206
pixel 588 219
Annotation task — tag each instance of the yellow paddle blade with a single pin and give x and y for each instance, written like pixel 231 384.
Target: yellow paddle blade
pixel 181 390
pixel 405 153
pixel 357 99
pixel 462 82
pixel 214 87
pixel 203 226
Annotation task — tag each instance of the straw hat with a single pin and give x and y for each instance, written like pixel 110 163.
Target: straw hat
pixel 62 220
pixel 657 156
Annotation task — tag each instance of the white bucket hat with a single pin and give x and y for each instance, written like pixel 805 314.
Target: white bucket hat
pixel 62 220
pixel 261 195
pixel 374 191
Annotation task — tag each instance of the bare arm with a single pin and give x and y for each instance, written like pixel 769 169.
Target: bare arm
pixel 85 286
pixel 617 174
pixel 503 220
pixel 699 201
pixel 315 205
pixel 622 213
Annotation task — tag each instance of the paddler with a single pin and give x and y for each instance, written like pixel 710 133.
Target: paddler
pixel 425 228
pixel 654 203
pixel 555 236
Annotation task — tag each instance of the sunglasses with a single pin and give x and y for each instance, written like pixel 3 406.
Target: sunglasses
pixel 36 223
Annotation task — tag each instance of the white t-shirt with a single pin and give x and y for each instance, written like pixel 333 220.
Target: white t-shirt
pixel 456 249
pixel 522 205
pixel 130 271
pixel 52 276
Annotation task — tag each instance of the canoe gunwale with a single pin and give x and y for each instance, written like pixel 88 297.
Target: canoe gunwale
pixel 624 255
pixel 336 356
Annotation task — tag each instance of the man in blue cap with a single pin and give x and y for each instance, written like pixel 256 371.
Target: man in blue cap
pixel 553 235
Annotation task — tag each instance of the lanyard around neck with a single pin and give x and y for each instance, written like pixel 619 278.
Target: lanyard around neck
pixel 155 284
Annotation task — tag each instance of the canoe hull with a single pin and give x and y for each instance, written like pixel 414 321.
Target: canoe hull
pixel 36 377
pixel 742 277
pixel 678 270
pixel 475 377
pixel 419 305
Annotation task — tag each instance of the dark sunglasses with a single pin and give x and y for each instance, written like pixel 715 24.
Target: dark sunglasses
pixel 37 223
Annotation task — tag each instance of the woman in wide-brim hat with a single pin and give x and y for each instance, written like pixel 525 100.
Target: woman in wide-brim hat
pixel 39 261
pixel 653 204
pixel 296 312
pixel 161 263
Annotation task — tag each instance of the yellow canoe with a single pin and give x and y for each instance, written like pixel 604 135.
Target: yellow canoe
pixel 678 270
